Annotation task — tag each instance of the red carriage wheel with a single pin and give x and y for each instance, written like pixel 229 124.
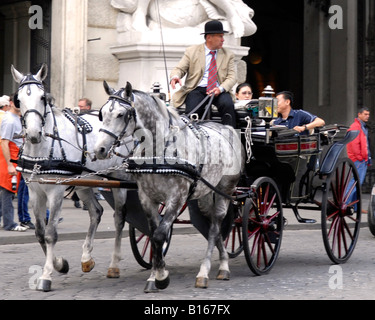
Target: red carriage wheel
pixel 141 246
pixel 262 226
pixel 341 213
pixel 233 243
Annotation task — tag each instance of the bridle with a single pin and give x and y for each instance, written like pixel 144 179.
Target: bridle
pixel 128 105
pixel 30 80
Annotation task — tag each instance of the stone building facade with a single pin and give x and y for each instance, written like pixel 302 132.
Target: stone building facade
pixel 330 70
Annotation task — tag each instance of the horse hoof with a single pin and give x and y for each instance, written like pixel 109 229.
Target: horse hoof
pixel 150 287
pixel 88 265
pixel 201 283
pixel 62 267
pixel 43 285
pixel 162 284
pixel 223 275
pixel 113 273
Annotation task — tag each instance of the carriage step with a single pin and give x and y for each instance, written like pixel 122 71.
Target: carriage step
pixel 306 221
pixel 300 219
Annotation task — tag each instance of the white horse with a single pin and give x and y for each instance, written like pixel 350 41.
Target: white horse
pixel 60 148
pixel 173 164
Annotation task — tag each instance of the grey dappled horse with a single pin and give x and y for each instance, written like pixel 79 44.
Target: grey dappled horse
pixel 53 142
pixel 210 151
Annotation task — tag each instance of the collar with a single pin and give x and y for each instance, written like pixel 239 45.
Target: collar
pixel 207 51
pixel 291 114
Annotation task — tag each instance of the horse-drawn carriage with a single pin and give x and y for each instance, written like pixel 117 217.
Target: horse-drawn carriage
pixel 243 205
pixel 286 171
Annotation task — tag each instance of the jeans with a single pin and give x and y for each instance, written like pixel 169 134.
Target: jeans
pixel 23 200
pixel 7 209
pixel 362 170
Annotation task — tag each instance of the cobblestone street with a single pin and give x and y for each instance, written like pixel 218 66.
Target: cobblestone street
pixel 302 272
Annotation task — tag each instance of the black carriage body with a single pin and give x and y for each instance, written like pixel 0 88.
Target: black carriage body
pixel 286 160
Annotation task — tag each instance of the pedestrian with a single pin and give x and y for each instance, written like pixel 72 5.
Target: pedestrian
pixel 209 70
pixel 359 149
pixel 9 178
pixel 4 107
pixel 23 201
pixel 300 120
pixel 84 105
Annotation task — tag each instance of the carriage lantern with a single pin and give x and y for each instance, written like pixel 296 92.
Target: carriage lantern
pixel 268 105
pixel 156 87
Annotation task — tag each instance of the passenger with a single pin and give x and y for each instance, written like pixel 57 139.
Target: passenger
pixel 204 77
pixel 244 92
pixel 299 120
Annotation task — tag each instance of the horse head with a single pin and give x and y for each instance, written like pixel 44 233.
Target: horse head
pixel 119 119
pixel 32 102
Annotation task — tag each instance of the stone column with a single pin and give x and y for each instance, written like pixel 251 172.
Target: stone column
pixel 330 67
pixel 68 51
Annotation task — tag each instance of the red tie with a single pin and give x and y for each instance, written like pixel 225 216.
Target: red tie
pixel 212 73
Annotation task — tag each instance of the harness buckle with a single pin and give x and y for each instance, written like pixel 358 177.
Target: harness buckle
pixel 194 117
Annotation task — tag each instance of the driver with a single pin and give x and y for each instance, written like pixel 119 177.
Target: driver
pixel 299 120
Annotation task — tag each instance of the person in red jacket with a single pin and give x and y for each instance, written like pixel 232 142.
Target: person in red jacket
pixel 359 149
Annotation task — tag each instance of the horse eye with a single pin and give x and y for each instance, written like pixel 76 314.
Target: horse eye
pixel 120 115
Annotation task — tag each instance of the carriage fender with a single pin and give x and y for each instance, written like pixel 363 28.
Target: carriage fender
pixel 333 154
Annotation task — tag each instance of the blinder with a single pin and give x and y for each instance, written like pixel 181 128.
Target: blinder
pixel 124 102
pixel 130 113
pixel 27 82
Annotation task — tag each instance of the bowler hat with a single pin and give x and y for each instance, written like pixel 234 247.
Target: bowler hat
pixel 214 27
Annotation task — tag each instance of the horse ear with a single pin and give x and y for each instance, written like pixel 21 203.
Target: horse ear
pixel 108 89
pixel 17 76
pixel 42 73
pixel 128 89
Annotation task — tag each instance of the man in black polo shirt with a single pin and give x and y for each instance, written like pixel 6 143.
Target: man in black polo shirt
pixel 299 120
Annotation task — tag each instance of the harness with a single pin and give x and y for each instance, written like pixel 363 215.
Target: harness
pixel 164 165
pixel 50 164
pixel 128 105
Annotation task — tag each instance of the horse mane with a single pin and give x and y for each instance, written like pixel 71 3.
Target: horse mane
pixel 163 108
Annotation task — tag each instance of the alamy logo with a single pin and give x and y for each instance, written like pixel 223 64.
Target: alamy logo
pixel 36 20
pixel 336 21
pixel 36 272
pixel 336 280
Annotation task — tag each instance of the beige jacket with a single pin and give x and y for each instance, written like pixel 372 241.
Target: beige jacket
pixel 193 65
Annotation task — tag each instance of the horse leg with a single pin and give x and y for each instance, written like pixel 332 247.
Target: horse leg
pixel 224 272
pixel 119 215
pixel 39 210
pixel 160 236
pixel 151 209
pixel 214 238
pixel 47 237
pixel 201 280
pixel 95 212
